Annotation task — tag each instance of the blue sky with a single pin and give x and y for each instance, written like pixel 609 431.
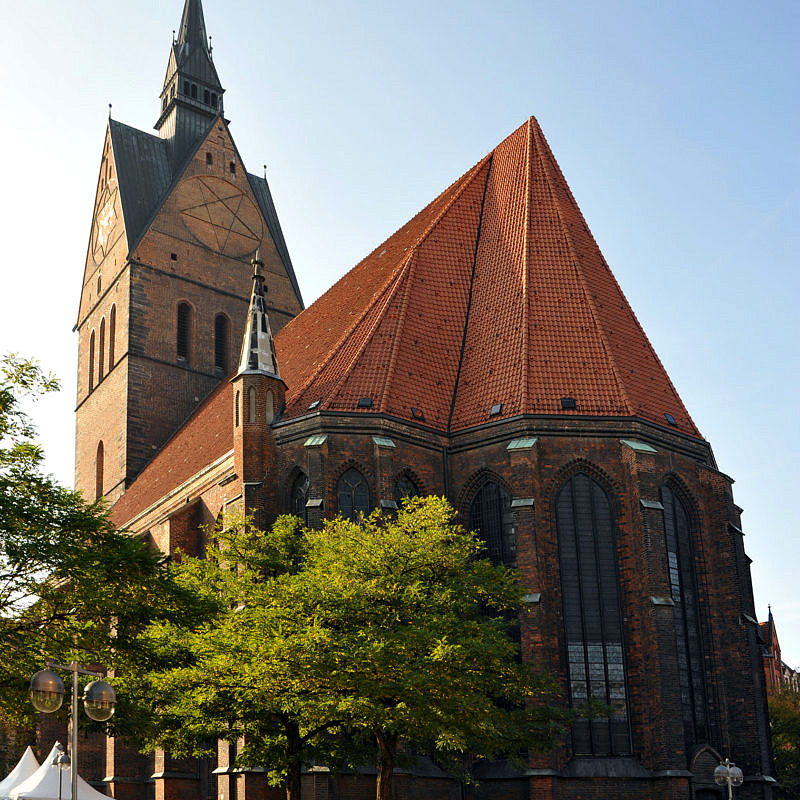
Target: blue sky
pixel 676 125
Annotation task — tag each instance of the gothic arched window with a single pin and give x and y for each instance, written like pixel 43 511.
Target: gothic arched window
pixel 592 615
pixel 221 339
pixel 98 471
pixel 404 487
pixel 269 407
pixel 91 361
pixel 686 613
pixel 353 494
pixel 112 332
pixel 101 351
pixel 299 496
pixel 251 404
pixel 491 517
pixel 183 337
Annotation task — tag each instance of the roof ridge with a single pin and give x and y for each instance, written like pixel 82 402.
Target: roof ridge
pixel 547 163
pixel 401 316
pixel 524 361
pixel 386 287
pixel 378 305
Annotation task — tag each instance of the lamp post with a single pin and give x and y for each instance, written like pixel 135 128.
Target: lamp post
pixel 47 695
pixel 728 772
pixel 62 762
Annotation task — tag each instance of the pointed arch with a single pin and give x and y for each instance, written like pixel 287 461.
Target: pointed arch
pixel 251 404
pixel 298 495
pixel 112 333
pixel 592 608
pixel 99 466
pixel 269 406
pixel 222 336
pixel 101 350
pixel 91 362
pixel 679 537
pixel 352 494
pixel 407 484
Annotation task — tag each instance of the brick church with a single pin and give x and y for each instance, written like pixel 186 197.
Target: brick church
pixel 483 352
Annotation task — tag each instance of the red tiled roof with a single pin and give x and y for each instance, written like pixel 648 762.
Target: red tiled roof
pixel 502 267
pixel 202 439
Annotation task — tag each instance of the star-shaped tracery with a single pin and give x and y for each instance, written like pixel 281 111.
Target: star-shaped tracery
pixel 220 215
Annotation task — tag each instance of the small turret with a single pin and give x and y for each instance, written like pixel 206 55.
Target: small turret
pixel 258 349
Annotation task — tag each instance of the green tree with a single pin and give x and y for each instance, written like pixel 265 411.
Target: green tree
pixel 393 628
pixel 71 586
pixel 784 719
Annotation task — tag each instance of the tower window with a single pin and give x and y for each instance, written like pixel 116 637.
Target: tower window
pixel 164 103
pixel 353 495
pixel 269 411
pixel 209 160
pixel 112 332
pixel 213 99
pixel 91 361
pixel 251 404
pixel 186 88
pixel 298 497
pixel 184 331
pixel 206 96
pixel 194 91
pixel 101 350
pixel 236 402
pixel 98 471
pixel 491 517
pixel 592 615
pixel 232 167
pixel 221 339
pixel 172 92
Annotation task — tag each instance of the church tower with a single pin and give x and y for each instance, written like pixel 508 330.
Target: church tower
pixel 167 279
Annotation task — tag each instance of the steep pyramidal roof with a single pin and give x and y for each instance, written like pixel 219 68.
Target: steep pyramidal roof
pixel 495 293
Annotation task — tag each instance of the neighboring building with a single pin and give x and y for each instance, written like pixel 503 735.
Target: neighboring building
pixel 777 673
pixel 484 352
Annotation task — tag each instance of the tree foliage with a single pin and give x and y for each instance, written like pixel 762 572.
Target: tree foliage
pixel 784 718
pixel 393 630
pixel 71 586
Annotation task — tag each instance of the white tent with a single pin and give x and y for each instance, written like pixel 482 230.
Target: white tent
pixel 43 784
pixel 26 766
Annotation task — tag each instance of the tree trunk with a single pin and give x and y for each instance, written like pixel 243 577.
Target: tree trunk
pixel 387 746
pixel 294 766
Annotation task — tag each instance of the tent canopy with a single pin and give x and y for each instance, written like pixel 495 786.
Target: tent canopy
pixel 26 766
pixel 44 783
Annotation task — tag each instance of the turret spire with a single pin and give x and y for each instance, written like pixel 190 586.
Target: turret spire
pixel 258 350
pixel 193 24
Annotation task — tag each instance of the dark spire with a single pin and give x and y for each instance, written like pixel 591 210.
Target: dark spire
pixel 258 350
pixel 192 92
pixel 193 25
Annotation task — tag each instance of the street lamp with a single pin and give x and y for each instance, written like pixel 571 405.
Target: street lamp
pixel 728 772
pixel 47 695
pixel 62 762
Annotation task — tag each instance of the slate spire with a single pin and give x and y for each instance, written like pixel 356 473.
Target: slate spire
pixel 191 97
pixel 258 350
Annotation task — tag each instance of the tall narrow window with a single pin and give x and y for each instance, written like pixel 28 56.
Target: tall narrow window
pixel 206 96
pixel 221 344
pixel 490 515
pixel 269 410
pixel 186 87
pixel 112 332
pixel 91 361
pixel 184 331
pixel 592 615
pixel 251 404
pixel 237 400
pixel 101 351
pixel 194 91
pixel 299 496
pixel 353 495
pixel 686 611
pixel 98 473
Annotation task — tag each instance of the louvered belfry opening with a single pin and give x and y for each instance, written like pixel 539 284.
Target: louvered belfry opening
pixel 592 615
pixel 686 614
